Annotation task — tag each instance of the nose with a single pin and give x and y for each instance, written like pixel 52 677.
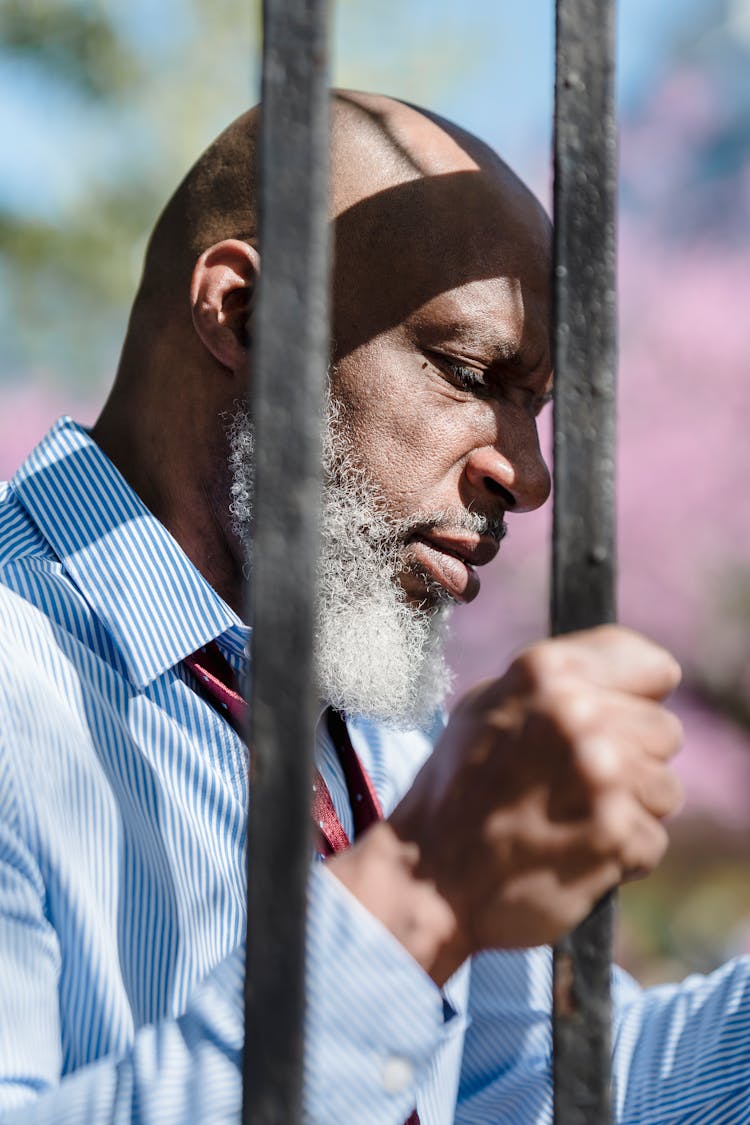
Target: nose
pixel 513 470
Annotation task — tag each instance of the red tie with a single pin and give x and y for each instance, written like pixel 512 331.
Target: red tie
pixel 218 684
pixel 366 808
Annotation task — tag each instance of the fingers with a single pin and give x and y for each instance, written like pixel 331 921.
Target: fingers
pixel 549 786
pixel 623 832
pixel 543 904
pixel 658 789
pixel 617 744
pixel 642 724
pixel 577 714
pixel 597 738
pixel 609 656
pixel 560 873
pixel 621 842
pixel 617 839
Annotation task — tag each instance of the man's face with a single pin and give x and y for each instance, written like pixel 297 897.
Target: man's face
pixel 441 364
pixel 440 388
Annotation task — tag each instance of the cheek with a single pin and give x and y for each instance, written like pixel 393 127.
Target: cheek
pixel 407 428
pixel 416 449
pixel 384 411
pixel 403 453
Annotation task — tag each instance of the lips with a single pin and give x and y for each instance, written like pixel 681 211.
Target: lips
pixel 450 561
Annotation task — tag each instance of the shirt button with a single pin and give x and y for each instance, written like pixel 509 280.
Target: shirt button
pixel 397 1074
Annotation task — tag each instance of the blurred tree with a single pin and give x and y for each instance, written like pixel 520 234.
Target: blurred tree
pixel 79 45
pixel 143 89
pixel 143 96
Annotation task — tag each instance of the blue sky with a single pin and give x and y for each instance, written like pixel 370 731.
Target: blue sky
pixel 494 76
pixel 504 89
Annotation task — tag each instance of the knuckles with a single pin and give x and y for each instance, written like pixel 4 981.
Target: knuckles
pixel 610 829
pixel 567 705
pixel 608 653
pixel 539 665
pixel 574 654
pixel 673 734
pixel 562 776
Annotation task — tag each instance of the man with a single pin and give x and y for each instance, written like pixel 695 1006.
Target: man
pixel 124 787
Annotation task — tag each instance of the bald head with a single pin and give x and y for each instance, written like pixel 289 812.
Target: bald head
pixel 377 146
pixel 378 142
pixel 215 201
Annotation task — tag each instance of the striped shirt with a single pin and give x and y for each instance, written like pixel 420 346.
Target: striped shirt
pixel 123 800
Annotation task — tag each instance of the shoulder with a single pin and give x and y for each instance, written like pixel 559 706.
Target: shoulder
pixel 34 590
pixel 25 557
pixel 51 694
pixel 20 538
pixel 37 595
pixel 28 641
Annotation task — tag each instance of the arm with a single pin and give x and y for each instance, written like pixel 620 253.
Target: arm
pixel 369 1004
pixel 182 1070
pixel 680 1052
pixel 179 1070
pixel 499 842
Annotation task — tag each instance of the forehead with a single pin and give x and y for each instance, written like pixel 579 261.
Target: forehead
pixel 498 320
pixel 453 246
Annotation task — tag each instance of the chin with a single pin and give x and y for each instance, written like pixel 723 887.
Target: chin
pixel 421 592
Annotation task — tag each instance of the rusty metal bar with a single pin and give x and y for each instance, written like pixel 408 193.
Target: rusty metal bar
pixel 288 376
pixel 583 580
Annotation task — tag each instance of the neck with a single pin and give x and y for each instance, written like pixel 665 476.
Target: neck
pixel 171 448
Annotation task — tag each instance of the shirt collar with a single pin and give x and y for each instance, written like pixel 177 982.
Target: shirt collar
pixel 137 579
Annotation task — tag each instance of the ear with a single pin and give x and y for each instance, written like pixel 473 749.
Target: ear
pixel 222 291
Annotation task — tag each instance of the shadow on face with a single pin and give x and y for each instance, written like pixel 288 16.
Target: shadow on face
pixel 399 248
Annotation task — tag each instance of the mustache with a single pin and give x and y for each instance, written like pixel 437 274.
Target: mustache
pixel 450 520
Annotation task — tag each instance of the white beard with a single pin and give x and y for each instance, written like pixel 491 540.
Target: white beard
pixel 376 654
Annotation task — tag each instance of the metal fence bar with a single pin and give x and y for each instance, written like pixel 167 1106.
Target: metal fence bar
pixel 291 357
pixel 583 583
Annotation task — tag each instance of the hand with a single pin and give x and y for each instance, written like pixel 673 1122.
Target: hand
pixel 546 789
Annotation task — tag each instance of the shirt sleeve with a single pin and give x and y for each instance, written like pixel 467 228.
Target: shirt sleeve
pixel 375 1018
pixel 374 1021
pixel 179 1070
pixel 507 1060
pixel 680 1052
pixel 182 1070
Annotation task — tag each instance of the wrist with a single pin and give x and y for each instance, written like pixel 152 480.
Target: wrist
pixel 381 871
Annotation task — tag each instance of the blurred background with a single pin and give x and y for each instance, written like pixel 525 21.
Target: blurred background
pixel 105 104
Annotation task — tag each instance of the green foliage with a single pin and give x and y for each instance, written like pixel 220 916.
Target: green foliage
pixel 694 911
pixel 78 44
pixel 70 284
pixel 145 98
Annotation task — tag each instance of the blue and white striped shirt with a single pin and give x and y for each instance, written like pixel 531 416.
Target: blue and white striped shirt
pixel 122 831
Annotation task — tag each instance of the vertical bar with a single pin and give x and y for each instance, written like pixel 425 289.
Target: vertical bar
pixel 288 376
pixel 583 581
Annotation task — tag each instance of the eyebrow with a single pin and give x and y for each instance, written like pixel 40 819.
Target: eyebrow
pixel 485 345
pixel 524 360
pixel 507 351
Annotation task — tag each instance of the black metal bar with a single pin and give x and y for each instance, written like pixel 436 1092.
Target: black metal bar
pixel 583 584
pixel 289 369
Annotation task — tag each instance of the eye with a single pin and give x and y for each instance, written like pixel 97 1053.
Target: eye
pixel 465 378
